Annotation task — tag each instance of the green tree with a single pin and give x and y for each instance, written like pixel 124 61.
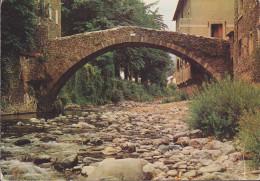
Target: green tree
pixel 90 15
pixel 17 32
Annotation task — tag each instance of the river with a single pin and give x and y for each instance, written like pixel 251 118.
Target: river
pixel 77 145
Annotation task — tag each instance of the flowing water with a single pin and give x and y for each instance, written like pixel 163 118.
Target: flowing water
pixel 17 160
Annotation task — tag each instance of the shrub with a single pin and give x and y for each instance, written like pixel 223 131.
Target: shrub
pixel 117 96
pixel 249 134
pixel 168 100
pixel 218 108
pixel 172 86
pixel 180 96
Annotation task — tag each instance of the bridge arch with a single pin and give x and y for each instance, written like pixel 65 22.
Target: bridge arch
pixel 67 54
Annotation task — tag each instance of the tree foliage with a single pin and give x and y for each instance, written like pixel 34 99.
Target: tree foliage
pixel 90 15
pixel 18 26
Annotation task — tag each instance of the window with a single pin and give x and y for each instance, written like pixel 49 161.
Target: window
pixel 240 47
pixel 241 5
pixel 57 16
pixel 178 65
pixel 50 13
pixel 217 30
pixel 251 43
pixel 188 14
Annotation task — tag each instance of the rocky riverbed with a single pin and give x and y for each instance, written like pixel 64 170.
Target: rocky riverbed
pixel 128 141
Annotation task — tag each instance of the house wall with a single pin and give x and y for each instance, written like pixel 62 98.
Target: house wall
pixel 196 17
pixel 246 39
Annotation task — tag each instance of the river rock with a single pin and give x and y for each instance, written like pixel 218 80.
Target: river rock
pixel 83 125
pixel 182 134
pixel 201 154
pixel 217 145
pixel 122 169
pixel 20 123
pixel 34 120
pixel 198 143
pixel 219 176
pixel 127 146
pixel 149 171
pixel 184 141
pixel 111 151
pixel 89 160
pixel 190 174
pixel 22 142
pixel 197 133
pixel 214 167
pixel 69 162
pixel 47 138
pixel 43 158
pixel 172 173
pixel 87 170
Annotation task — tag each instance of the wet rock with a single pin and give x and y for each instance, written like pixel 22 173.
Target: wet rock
pixel 69 162
pixel 22 142
pixel 77 168
pixel 214 167
pixel 34 120
pixel 172 173
pixel 47 139
pixel 184 141
pixel 198 143
pixel 197 133
pixel 89 160
pixel 149 171
pixel 122 169
pixel 83 125
pixel 20 123
pixel 43 158
pixel 93 140
pixel 46 165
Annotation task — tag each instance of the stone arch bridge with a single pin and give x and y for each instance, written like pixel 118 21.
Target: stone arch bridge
pixel 61 57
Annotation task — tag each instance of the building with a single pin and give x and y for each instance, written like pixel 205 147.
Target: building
pixel 245 39
pixel 49 20
pixel 209 18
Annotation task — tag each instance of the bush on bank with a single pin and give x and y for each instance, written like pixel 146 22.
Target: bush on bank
pixel 249 135
pixel 219 107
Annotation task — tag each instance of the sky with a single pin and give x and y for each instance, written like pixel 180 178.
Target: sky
pixel 167 9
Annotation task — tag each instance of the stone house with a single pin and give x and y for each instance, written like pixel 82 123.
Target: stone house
pixel 245 39
pixel 209 18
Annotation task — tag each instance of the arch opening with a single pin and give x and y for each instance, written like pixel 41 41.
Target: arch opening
pixel 66 76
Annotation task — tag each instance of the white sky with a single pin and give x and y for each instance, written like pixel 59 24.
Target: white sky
pixel 167 9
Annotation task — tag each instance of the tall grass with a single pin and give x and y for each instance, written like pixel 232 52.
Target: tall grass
pixel 217 109
pixel 249 135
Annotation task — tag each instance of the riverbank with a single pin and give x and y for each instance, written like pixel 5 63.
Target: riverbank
pixel 126 141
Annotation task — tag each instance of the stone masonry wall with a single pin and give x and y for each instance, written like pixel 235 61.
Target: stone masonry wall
pixel 68 54
pixel 245 38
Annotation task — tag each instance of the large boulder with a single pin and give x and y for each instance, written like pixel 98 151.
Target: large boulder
pixel 122 169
